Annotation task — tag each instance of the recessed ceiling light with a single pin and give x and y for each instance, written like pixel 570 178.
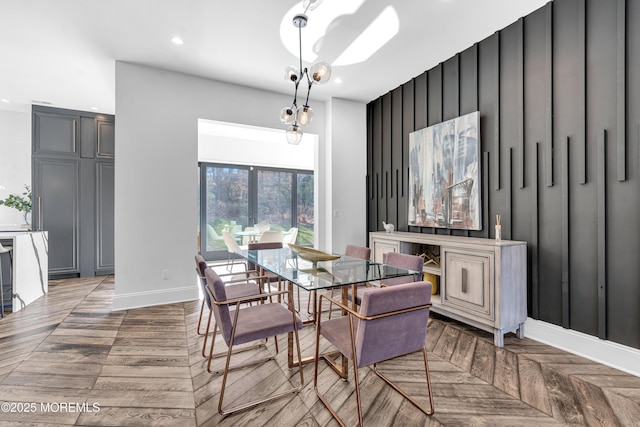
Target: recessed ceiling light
pixel 94 108
pixel 337 80
pixel 177 40
pixel 6 101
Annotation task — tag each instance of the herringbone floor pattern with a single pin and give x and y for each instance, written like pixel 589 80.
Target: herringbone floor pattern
pixel 68 359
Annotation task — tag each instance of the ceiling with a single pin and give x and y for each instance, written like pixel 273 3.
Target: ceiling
pixel 63 52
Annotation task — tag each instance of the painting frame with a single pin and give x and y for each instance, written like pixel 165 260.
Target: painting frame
pixel 444 175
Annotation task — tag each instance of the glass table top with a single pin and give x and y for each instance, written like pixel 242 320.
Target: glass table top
pixel 323 274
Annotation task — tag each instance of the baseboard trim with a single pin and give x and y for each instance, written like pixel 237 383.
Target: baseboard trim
pixel 156 297
pixel 626 359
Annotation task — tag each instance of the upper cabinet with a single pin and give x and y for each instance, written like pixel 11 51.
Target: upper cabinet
pixel 55 134
pixel 106 139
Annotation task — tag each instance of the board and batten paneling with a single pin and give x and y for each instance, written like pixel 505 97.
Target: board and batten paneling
pixel 559 98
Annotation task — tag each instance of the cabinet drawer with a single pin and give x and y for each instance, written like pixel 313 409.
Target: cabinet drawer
pixel 467 284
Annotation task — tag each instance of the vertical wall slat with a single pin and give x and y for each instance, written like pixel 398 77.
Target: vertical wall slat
pixel 566 319
pixel 485 194
pixel 509 199
pixel 549 95
pixel 581 95
pixel 602 234
pixel 496 123
pixel 535 234
pixel 621 140
pixel 458 84
pixel 520 96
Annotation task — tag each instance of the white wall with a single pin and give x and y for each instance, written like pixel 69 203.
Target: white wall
pixel 15 161
pixel 347 128
pixel 251 145
pixel 157 116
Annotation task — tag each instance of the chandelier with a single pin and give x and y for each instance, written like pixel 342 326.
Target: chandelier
pixel 319 73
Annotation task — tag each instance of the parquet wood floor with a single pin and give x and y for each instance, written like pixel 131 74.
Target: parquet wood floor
pixel 143 367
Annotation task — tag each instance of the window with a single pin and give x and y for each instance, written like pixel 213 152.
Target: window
pixel 233 197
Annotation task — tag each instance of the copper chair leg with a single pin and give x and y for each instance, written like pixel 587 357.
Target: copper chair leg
pixel 227 368
pixel 403 393
pixel 200 318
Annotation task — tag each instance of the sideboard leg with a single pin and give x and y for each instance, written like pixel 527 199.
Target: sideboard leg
pixel 498 338
pixel 520 331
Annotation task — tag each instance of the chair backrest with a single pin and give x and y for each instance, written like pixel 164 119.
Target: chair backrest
pixel 271 236
pixel 410 262
pixel 232 245
pixel 216 290
pixel 201 266
pixel 395 335
pixel 291 236
pixel 361 252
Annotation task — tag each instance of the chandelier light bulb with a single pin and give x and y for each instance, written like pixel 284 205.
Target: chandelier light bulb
pixel 294 135
pixel 320 72
pixel 291 74
pixel 304 115
pixel 287 115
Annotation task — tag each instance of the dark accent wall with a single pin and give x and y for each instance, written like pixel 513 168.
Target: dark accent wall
pixel 559 98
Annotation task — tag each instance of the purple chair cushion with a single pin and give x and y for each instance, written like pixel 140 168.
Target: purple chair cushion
pixel 254 323
pixel 201 266
pixel 410 262
pixel 389 337
pixel 263 320
pixel 217 291
pixel 396 259
pixel 358 252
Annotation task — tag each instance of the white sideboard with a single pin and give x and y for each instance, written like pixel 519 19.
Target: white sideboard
pixel 483 282
pixel 30 270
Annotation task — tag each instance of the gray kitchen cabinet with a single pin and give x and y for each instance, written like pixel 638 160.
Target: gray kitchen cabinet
pixel 73 189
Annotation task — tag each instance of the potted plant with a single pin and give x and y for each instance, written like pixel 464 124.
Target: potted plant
pixel 21 203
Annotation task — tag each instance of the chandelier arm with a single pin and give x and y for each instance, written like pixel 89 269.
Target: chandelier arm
pixel 295 93
pixel 308 91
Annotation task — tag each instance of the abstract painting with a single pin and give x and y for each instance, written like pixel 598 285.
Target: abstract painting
pixel 444 174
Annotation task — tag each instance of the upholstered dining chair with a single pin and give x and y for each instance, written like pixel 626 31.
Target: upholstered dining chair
pixel 271 236
pixel 247 324
pixel 400 260
pixel 355 251
pixel 232 248
pixel 249 285
pixel 392 322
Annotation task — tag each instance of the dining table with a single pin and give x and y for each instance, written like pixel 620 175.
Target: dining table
pixel 342 272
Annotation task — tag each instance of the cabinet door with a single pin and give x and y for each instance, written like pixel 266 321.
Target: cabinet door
pixel 468 278
pixel 56 211
pixel 104 218
pixel 55 134
pixel 381 247
pixel 106 139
